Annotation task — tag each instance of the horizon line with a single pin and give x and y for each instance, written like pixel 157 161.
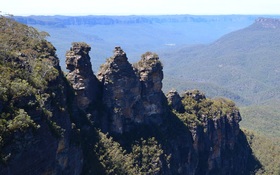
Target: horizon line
pixel 117 14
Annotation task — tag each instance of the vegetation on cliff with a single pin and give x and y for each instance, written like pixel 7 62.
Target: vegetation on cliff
pixel 144 158
pixel 198 108
pixel 26 68
pixel 267 150
pixel 144 135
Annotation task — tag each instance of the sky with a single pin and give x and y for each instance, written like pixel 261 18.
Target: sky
pixel 138 7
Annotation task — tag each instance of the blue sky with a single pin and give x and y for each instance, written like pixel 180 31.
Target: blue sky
pixel 138 7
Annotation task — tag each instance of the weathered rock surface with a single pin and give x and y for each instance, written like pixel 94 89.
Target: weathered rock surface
pixel 81 75
pixel 220 144
pixel 271 23
pixel 49 125
pixel 132 95
pixel 48 149
pixel 174 101
pixel 150 72
pixel 121 92
pixel 203 137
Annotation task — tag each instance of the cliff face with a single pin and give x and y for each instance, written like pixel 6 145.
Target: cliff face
pixel 149 69
pixel 121 92
pixel 218 140
pixel 36 132
pixel 53 126
pixel 205 138
pixel 131 95
pixel 48 149
pixel 81 76
pixel 270 23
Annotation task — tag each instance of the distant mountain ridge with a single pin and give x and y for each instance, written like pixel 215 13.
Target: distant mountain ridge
pixel 136 34
pixel 268 22
pixel 245 62
pixel 132 19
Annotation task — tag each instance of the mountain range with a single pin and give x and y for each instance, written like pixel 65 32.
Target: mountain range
pixel 244 62
pixel 242 65
pixel 136 34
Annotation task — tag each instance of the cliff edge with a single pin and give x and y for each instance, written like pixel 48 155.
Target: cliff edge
pixel 118 122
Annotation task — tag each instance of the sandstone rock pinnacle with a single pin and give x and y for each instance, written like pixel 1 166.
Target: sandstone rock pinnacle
pixel 81 75
pixel 174 100
pixel 121 91
pixel 132 95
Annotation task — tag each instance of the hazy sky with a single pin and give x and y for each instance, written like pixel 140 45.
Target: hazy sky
pixel 135 7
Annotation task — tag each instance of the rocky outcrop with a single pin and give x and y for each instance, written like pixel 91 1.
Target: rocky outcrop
pixel 121 92
pixel 175 101
pixel 270 23
pixel 149 69
pixel 50 147
pixel 132 95
pixel 53 126
pixel 81 76
pixel 217 138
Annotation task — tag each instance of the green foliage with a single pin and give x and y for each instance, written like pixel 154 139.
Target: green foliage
pixel 262 123
pixel 20 88
pixel 27 66
pixel 18 37
pixel 267 150
pixel 144 159
pixel 242 66
pixel 147 155
pixel 190 120
pixel 21 121
pixel 263 119
pixel 56 129
pixel 148 59
pixel 244 63
pixel 113 158
pixel 198 108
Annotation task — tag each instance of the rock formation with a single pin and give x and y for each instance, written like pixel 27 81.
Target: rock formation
pixel 81 75
pixel 195 135
pixel 150 72
pixel 270 23
pixel 218 140
pixel 121 92
pixel 49 148
pixel 174 101
pixel 132 97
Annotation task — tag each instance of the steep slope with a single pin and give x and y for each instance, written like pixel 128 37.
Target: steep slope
pixel 245 62
pixel 242 66
pixel 36 134
pixel 263 118
pixel 201 138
